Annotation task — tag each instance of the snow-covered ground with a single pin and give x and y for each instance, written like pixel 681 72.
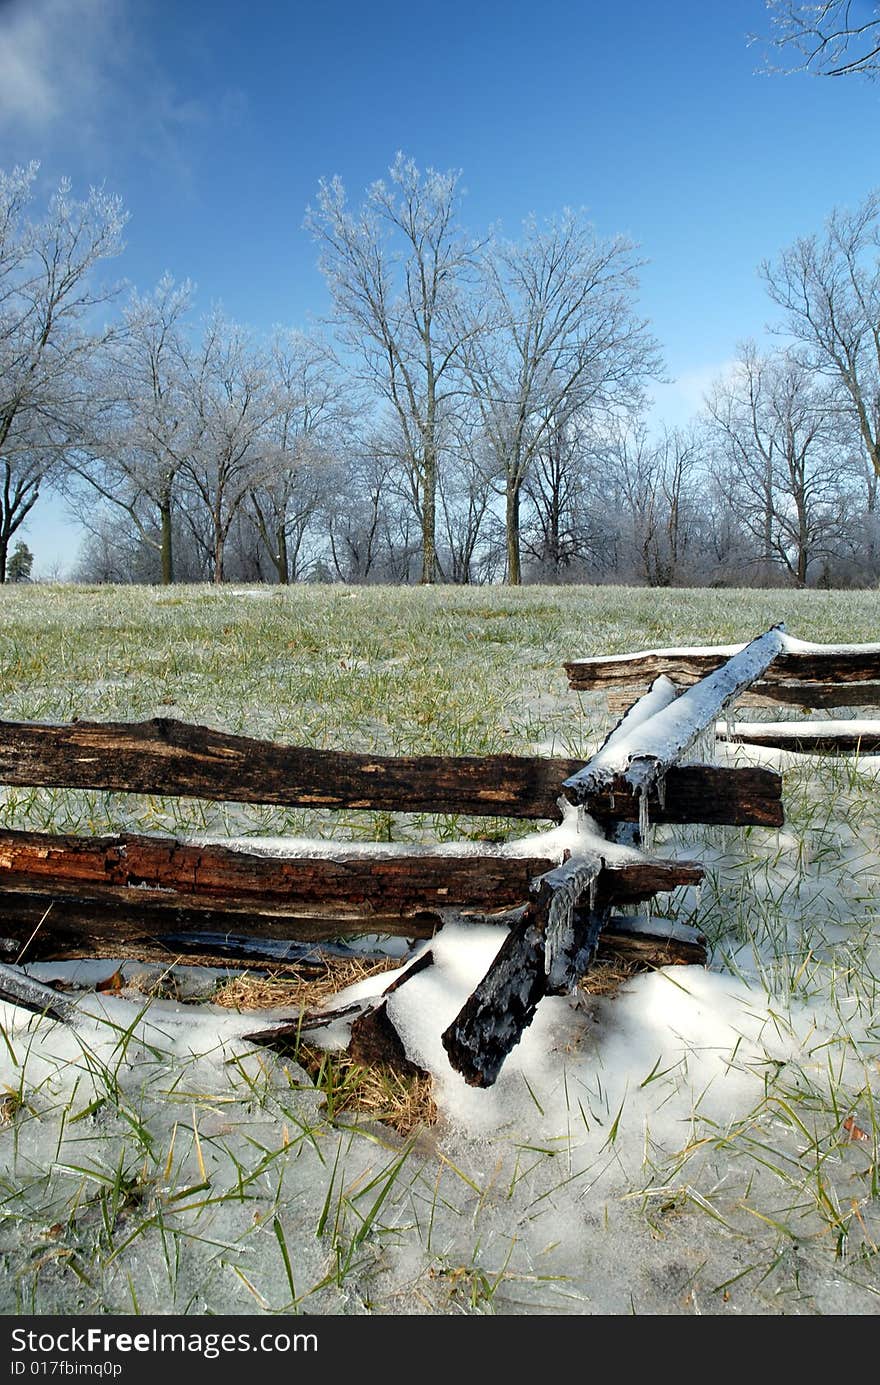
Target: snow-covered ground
pixel 700 1141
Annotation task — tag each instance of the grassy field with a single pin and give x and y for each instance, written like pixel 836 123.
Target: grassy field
pixel 693 1142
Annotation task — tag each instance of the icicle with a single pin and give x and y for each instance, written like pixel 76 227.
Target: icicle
pixel 729 721
pixel 644 821
pixel 711 744
pixel 594 891
pixel 661 791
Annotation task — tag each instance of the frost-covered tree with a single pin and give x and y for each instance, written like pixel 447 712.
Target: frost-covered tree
pixel 314 407
pixel 779 459
pixel 142 426
pixel 560 333
pixel 396 269
pixel 229 391
pixel 48 297
pixel 652 490
pixel 565 521
pixel 829 290
pixel 829 38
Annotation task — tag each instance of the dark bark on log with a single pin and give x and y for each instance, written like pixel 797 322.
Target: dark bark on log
pixel 492 1019
pixel 639 880
pixel 172 758
pixel 375 1041
pixel 807 740
pixel 594 674
pixel 545 953
pixel 173 874
pixel 651 942
pixel 74 930
pixel 374 1038
pixel 286 1036
pixel 302 957
pixel 698 793
pixel 20 989
pixel 168 876
pixel 813 695
pixel 130 926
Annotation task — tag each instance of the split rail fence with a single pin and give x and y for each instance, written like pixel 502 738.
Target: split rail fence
pixel 150 897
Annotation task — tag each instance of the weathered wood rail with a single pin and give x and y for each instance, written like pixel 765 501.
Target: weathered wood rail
pixel 175 759
pixel 803 675
pixel 133 895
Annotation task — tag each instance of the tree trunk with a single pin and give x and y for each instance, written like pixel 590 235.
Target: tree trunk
pixel 429 516
pixel 511 520
pixel 219 545
pixel 166 546
pixel 282 561
pixel 4 553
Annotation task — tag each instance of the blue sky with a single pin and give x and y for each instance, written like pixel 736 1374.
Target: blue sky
pixel 214 120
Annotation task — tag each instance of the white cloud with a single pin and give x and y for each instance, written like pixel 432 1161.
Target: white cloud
pixel 56 57
pixel 91 77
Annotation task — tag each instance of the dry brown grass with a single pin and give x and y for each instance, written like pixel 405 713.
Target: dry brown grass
pixel 607 976
pixel 273 992
pixel 401 1101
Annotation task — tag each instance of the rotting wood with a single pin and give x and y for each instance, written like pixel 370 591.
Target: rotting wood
pixel 22 990
pixel 493 1018
pixel 651 942
pixel 75 930
pixel 184 874
pixel 132 925
pixel 834 737
pixel 285 1036
pixel 374 1036
pixel 770 695
pixel 171 758
pixel 817 667
pixel 546 952
pixel 375 1041
pixel 134 921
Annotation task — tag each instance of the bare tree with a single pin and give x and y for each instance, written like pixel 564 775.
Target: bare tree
pixel 47 292
pixel 564 336
pixel 780 462
pixel 396 270
pixel 829 290
pixel 313 404
pixel 230 393
pixel 465 491
pixel 652 489
pixel 561 525
pixel 143 428
pixel 829 38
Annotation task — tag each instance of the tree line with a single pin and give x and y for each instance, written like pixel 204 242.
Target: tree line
pixel 478 409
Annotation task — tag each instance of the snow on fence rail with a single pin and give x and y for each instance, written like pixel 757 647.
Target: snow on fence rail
pixel 557 889
pixel 802 674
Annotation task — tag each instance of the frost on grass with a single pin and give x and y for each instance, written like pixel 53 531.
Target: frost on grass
pixel 684 1145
